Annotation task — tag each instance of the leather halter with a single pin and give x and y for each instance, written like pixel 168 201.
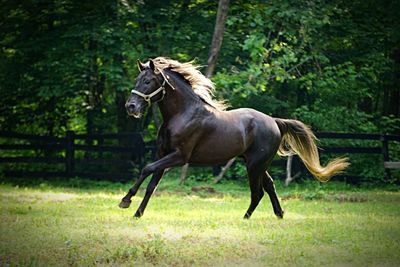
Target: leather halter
pixel 148 97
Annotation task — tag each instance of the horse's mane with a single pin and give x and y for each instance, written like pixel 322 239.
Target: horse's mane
pixel 200 84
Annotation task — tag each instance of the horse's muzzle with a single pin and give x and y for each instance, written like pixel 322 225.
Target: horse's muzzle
pixel 133 110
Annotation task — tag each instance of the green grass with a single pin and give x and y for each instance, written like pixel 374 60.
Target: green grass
pixel 329 225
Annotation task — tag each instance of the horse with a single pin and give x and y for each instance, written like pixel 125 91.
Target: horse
pixel 198 129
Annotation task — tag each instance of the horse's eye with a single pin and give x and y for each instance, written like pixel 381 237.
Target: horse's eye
pixel 147 81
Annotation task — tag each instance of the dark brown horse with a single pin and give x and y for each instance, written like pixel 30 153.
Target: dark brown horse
pixel 196 129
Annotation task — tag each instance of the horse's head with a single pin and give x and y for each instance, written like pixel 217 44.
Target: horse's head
pixel 149 88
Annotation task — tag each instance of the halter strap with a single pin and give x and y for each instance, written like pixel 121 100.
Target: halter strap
pixel 148 97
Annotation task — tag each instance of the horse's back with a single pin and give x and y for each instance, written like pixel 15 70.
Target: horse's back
pixel 262 123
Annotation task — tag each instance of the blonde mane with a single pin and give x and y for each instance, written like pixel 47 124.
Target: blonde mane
pixel 201 85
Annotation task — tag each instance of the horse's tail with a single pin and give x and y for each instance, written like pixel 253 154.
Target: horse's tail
pixel 298 138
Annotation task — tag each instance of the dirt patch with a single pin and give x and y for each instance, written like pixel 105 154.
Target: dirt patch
pixel 206 191
pixel 203 188
pixel 339 197
pixel 347 198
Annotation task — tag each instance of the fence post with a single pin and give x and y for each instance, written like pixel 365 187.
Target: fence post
pixel 70 153
pixel 385 153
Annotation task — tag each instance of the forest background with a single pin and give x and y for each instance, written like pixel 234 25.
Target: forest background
pixel 69 65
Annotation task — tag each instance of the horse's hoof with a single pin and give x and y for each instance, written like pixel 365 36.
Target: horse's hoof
pixel 137 215
pixel 124 204
pixel 279 214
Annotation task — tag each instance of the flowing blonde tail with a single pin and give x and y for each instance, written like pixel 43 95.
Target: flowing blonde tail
pixel 298 138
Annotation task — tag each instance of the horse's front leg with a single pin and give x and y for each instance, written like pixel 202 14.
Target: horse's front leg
pixel 126 200
pixel 157 175
pixel 157 168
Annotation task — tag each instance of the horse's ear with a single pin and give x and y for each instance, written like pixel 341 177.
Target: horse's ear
pixel 140 65
pixel 151 64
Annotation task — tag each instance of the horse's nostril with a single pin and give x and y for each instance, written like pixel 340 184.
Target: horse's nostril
pixel 129 106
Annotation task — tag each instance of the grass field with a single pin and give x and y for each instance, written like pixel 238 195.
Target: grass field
pixel 333 225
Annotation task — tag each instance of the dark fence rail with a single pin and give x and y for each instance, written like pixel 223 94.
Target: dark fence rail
pixel 118 156
pixel 82 155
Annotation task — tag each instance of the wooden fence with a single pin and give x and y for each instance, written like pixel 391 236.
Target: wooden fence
pixel 118 157
pixel 382 148
pixel 98 156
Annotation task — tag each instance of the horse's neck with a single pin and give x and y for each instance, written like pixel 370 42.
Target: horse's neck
pixel 175 103
pixel 178 100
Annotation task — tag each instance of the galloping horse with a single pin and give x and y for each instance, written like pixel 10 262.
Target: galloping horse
pixel 197 129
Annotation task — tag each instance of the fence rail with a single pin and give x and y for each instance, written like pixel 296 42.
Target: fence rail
pixel 89 155
pixel 74 155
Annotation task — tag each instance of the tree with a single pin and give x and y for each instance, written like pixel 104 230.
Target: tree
pixel 222 13
pixel 217 36
pixel 69 65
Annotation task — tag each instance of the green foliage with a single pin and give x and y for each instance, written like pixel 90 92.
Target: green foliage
pixel 69 65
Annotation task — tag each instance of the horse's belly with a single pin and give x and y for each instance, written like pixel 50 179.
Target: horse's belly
pixel 217 149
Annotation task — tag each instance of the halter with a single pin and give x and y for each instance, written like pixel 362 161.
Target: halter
pixel 148 97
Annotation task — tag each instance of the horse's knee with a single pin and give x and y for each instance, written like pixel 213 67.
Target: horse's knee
pixel 146 171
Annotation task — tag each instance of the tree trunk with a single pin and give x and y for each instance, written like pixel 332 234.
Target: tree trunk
pixel 218 36
pixel 289 177
pixel 184 172
pixel 223 171
pixel 219 29
pixel 222 12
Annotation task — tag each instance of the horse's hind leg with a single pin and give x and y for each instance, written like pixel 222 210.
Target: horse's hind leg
pixel 269 187
pixel 257 162
pixel 255 173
